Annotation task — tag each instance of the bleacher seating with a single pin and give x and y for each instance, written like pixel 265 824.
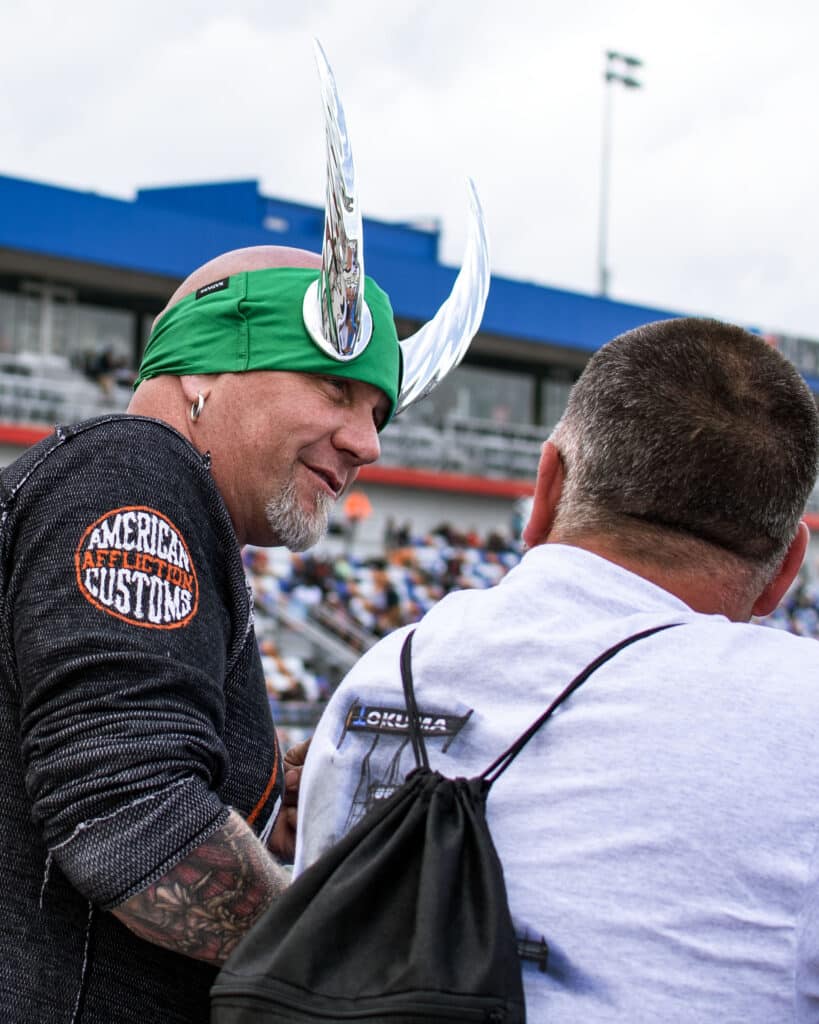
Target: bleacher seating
pixel 47 389
pixel 318 612
pixel 357 601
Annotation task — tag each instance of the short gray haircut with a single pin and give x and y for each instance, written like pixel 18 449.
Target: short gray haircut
pixel 690 429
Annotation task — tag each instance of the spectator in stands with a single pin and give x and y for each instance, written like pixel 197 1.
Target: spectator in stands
pixel 467 564
pixel 101 368
pixel 280 680
pixel 380 594
pixel 390 534
pixel 403 535
pixel 386 602
pixel 658 834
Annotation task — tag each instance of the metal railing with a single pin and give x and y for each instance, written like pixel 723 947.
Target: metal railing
pixel 462 444
pixel 465 445
pixel 59 396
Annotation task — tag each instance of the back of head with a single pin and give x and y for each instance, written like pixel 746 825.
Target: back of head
pixel 689 429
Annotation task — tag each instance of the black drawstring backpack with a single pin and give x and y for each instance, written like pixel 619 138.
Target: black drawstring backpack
pixel 404 920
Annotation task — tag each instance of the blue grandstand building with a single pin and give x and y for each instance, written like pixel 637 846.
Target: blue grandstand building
pixel 83 275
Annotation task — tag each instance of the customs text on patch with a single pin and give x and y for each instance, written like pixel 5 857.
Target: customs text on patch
pixel 133 563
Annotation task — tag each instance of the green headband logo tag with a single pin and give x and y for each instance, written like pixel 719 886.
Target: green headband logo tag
pixel 214 286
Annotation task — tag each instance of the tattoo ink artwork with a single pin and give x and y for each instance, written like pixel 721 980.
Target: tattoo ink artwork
pixel 203 906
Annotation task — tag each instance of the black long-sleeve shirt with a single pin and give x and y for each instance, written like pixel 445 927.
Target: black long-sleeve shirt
pixel 134 714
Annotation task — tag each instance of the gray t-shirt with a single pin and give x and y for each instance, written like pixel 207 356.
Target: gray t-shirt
pixel 658 833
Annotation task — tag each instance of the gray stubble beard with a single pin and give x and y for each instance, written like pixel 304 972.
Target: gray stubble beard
pixel 294 528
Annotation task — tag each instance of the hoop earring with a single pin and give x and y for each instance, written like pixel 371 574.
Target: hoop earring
pixel 197 407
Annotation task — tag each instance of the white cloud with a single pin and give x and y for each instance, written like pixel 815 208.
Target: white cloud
pixel 713 162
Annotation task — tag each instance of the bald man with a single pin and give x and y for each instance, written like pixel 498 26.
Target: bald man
pixel 143 780
pixel 283 489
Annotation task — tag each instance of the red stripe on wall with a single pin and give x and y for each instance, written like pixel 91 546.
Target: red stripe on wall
pixel 24 434
pixel 395 476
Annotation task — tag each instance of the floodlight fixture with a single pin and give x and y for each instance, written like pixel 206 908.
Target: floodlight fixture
pixel 611 74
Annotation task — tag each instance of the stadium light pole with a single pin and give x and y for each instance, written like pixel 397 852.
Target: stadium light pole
pixel 618 68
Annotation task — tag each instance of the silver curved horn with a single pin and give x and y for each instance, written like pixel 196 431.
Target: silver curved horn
pixel 441 344
pixel 334 309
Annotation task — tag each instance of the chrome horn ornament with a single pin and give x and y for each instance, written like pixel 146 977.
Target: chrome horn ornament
pixel 334 311
pixel 438 346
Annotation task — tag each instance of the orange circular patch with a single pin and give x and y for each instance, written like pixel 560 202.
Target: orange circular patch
pixel 134 564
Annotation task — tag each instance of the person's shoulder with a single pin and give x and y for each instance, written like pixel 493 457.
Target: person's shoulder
pixel 90 452
pixel 380 665
pixel 746 650
pixel 123 431
pixel 106 467
pixel 753 635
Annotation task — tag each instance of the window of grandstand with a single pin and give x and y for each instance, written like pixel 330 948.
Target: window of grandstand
pixel 146 325
pixel 6 321
pixel 476 392
pixel 802 352
pixel 43 319
pixel 554 395
pixel 47 320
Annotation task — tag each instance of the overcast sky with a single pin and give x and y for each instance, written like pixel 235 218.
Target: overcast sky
pixel 714 162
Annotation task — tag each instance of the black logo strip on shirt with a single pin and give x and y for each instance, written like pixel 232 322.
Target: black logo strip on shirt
pixel 214 286
pixel 372 718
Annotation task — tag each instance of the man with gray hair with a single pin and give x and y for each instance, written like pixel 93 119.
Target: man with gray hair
pixel 658 834
pixel 146 802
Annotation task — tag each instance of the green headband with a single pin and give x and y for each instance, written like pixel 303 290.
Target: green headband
pixel 253 321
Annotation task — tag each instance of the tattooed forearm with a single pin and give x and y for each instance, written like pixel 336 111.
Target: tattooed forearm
pixel 205 904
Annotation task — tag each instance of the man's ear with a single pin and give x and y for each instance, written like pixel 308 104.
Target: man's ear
pixel 196 384
pixel 548 488
pixel 786 574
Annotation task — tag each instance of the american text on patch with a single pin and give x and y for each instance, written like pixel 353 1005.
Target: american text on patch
pixel 134 564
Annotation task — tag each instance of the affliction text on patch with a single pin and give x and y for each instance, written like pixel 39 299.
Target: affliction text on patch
pixel 134 564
